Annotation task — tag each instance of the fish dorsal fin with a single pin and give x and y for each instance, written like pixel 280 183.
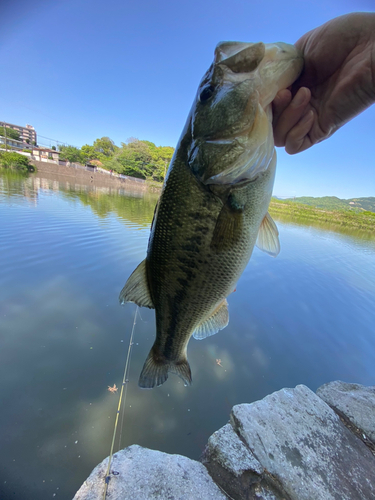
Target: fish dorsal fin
pixel 268 236
pixel 136 288
pixel 218 320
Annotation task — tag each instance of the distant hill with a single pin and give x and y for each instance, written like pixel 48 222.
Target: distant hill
pixel 334 203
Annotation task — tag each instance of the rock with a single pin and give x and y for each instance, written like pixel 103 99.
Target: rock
pixel 291 445
pixel 353 401
pixel 233 467
pixel 225 448
pixel 304 448
pixel 145 474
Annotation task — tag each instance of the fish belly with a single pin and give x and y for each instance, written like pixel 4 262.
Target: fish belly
pixel 188 274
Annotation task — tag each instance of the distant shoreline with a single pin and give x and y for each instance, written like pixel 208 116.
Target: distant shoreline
pixel 343 221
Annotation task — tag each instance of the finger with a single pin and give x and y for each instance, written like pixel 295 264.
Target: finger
pixel 281 102
pixel 298 139
pixel 291 115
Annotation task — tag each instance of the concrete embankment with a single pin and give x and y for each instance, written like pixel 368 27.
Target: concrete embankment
pixel 291 445
pixel 82 176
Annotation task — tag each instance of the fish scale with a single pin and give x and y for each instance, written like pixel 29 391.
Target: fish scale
pixel 213 205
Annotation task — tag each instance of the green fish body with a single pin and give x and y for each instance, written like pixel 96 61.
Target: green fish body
pixel 214 202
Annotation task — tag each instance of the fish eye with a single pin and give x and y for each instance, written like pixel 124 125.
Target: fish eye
pixel 206 93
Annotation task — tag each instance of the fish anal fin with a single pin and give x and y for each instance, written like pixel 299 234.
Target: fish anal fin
pixel 218 320
pixel 136 288
pixel 228 229
pixel 268 236
pixel 156 368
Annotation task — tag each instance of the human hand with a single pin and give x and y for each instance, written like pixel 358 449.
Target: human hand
pixel 337 83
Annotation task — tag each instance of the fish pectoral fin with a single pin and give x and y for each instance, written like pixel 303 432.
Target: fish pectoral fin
pixel 155 371
pixel 229 227
pixel 218 320
pixel 136 288
pixel 268 236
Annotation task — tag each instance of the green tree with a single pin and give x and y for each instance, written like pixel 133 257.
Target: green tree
pixel 10 133
pixel 71 153
pixel 90 153
pixel 133 159
pixel 163 159
pixel 142 159
pixel 160 159
pixel 136 159
pixel 105 145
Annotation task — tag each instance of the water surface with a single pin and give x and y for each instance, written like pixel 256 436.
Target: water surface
pixel 306 317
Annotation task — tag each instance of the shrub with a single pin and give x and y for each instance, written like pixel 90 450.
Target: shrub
pixel 15 161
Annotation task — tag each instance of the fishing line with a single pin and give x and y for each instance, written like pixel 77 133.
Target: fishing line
pixel 127 369
pixel 123 393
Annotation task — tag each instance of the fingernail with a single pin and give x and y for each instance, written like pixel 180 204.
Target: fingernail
pixel 299 98
pixel 278 96
pixel 307 117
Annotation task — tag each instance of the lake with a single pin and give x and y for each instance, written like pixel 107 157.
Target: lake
pixel 306 317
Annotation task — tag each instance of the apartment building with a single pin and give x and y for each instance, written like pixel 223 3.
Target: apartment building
pixel 14 144
pixel 27 134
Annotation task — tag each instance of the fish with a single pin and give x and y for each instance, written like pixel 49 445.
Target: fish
pixel 213 206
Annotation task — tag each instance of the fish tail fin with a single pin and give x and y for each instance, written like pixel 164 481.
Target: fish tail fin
pixel 155 371
pixel 182 369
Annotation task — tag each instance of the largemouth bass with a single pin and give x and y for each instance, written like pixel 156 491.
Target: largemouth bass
pixel 214 202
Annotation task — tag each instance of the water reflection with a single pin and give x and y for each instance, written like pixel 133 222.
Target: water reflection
pixel 359 235
pixel 305 317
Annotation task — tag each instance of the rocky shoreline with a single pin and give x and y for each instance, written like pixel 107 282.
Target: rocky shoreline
pixel 291 445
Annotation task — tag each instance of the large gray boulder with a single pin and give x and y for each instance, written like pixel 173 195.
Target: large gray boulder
pixel 143 474
pixel 354 402
pixel 301 449
pixel 291 445
pixel 235 468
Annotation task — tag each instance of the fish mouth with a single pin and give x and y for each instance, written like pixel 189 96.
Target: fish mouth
pixel 277 65
pixel 240 57
pixel 235 140
pixel 280 67
pixel 243 57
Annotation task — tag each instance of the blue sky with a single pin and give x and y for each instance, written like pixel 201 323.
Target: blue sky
pixel 79 70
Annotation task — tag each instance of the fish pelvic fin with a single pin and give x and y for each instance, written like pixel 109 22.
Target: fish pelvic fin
pixel 218 320
pixel 156 368
pixel 136 289
pixel 268 236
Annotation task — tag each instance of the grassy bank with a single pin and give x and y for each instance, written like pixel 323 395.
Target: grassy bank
pixel 343 221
